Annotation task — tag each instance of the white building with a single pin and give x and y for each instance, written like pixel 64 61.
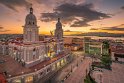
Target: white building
pixel 32 51
pixel 37 58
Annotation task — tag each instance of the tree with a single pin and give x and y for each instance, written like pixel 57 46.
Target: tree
pixel 89 79
pixel 106 46
pixel 106 60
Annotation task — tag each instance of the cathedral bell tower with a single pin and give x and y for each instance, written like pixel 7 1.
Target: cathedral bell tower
pixel 59 30
pixel 59 37
pixel 30 30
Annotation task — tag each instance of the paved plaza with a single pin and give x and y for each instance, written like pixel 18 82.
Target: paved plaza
pixel 114 76
pixel 67 69
pixel 79 74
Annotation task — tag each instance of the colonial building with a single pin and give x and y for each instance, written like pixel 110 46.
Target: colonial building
pixel 92 46
pixel 30 59
pixel 4 48
pixel 31 51
pixel 96 46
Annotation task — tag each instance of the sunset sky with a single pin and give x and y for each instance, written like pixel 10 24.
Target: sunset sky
pixel 77 16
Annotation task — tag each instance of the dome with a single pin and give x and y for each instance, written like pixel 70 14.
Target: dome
pixel 31 18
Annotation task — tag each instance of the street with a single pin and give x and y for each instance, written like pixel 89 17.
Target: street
pixel 73 72
pixel 79 74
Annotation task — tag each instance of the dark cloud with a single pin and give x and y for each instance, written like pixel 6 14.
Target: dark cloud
pixel 1 27
pixel 93 29
pixel 3 30
pixel 121 25
pixel 72 31
pixel 67 31
pixel 80 23
pixel 122 7
pixel 113 29
pixel 77 15
pixel 55 2
pixel 13 4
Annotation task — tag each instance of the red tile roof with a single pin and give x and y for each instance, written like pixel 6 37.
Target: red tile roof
pixel 117 49
pixel 2 78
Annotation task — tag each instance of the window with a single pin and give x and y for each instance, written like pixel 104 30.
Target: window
pixel 34 53
pixel 33 23
pixel 29 79
pixel 17 81
pixel 41 73
pixel 48 69
pixel 34 49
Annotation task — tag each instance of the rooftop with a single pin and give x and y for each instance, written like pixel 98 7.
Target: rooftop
pixel 14 68
pixel 119 49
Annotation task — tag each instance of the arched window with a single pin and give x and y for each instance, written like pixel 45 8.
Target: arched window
pixel 34 53
pixel 33 23
pixel 34 49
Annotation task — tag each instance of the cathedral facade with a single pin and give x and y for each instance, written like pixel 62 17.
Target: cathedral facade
pixel 31 51
pixel 29 60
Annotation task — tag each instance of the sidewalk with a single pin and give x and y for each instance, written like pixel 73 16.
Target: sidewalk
pixel 114 76
pixel 79 74
pixel 68 69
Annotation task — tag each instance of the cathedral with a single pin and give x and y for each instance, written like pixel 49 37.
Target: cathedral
pixel 32 51
pixel 30 60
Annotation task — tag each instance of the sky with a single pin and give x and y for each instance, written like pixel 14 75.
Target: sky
pixel 77 16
